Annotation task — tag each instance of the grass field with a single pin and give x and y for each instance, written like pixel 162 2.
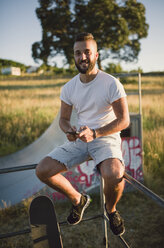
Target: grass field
pixel 28 107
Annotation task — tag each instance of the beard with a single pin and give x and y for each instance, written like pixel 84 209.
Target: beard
pixel 89 66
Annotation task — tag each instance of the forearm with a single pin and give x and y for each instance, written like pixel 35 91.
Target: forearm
pixel 64 124
pixel 115 126
pixel 121 122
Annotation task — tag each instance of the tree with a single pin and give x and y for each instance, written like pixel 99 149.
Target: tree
pixel 8 63
pixel 113 68
pixel 117 25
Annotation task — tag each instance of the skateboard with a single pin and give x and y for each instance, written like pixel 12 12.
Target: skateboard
pixel 44 226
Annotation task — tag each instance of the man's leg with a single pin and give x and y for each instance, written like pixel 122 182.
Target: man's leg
pixel 112 172
pixel 48 171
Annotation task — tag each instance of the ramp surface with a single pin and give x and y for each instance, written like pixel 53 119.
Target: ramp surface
pixel 16 186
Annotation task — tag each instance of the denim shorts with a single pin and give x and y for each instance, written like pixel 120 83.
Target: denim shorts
pixel 74 153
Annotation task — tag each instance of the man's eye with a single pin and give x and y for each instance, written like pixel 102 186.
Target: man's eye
pixel 87 52
pixel 77 53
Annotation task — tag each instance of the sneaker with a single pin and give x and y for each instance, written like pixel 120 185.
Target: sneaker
pixel 77 211
pixel 116 223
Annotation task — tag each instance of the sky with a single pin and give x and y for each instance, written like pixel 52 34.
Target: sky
pixel 20 28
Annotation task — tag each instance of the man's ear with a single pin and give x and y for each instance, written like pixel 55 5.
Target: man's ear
pixel 97 55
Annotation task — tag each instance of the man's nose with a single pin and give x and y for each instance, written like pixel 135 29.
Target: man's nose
pixel 83 56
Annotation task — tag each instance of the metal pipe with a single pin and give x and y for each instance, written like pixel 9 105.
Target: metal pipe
pixel 144 189
pixel 140 112
pixel 123 242
pixel 21 232
pixel 18 168
pixel 139 90
pixel 119 236
pixel 8 235
pixel 65 223
pixel 127 177
pixel 104 221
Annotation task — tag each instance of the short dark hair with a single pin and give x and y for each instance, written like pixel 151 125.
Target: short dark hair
pixel 84 36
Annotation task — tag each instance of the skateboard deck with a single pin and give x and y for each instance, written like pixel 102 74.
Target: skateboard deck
pixel 44 226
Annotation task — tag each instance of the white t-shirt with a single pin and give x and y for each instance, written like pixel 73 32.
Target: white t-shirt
pixel 92 101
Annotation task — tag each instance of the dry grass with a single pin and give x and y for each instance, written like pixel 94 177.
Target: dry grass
pixel 26 110
pixel 21 101
pixel 148 82
pixel 153 138
pixel 30 94
pixel 28 107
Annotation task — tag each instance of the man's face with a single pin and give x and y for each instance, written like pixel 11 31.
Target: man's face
pixel 85 55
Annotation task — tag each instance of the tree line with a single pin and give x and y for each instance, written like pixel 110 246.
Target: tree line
pixel 110 68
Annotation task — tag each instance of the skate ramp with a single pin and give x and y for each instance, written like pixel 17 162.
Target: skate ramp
pixel 16 186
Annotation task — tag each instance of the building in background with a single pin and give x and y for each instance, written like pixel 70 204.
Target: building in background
pixel 32 69
pixel 16 71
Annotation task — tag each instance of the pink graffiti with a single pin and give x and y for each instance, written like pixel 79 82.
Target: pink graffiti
pixel 57 196
pixel 86 173
pixel 132 154
pixel 73 180
pixel 84 176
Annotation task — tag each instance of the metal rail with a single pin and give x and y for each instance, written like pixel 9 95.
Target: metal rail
pixel 127 177
pixel 28 230
pixel 18 168
pixel 144 189
pixel 63 223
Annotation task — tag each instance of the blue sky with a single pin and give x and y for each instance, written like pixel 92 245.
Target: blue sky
pixel 20 28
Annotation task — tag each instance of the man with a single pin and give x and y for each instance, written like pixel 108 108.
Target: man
pixel 100 102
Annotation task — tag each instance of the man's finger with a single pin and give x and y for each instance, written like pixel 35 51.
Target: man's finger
pixel 72 132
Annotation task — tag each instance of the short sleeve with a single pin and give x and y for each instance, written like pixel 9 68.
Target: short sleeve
pixel 65 95
pixel 116 91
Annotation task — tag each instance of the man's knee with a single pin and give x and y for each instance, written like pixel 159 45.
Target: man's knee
pixel 41 170
pixel 113 170
pixel 48 167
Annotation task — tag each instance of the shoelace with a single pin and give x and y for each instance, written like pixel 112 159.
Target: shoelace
pixel 74 212
pixel 116 219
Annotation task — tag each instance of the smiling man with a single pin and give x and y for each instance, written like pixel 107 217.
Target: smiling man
pixel 100 102
pixel 86 56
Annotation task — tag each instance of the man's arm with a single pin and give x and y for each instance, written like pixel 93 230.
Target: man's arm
pixel 64 121
pixel 120 108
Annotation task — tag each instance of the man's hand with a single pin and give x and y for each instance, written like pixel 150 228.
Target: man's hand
pixel 86 134
pixel 72 133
